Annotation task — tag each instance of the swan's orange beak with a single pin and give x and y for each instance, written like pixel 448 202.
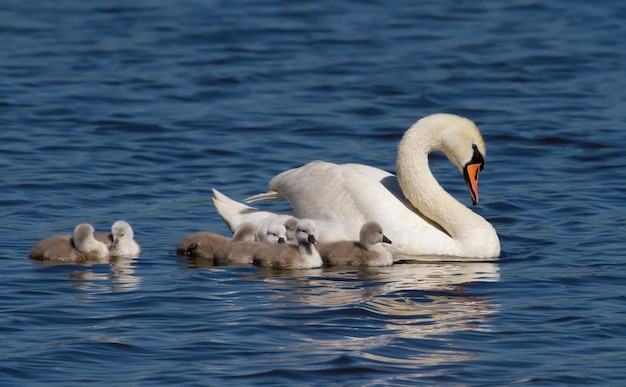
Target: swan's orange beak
pixel 470 173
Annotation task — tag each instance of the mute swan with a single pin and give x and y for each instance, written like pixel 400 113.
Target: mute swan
pixel 368 251
pixel 414 210
pixel 120 240
pixel 80 246
pixel 285 256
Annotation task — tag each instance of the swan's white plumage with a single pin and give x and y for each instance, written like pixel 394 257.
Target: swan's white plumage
pixel 417 214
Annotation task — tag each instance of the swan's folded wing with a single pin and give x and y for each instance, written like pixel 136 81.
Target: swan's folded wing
pixel 322 190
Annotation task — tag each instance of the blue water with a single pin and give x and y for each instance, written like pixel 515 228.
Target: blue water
pixel 135 109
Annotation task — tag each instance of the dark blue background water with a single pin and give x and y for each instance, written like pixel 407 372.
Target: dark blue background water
pixel 136 109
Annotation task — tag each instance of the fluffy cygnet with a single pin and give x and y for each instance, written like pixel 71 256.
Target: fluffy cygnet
pixel 239 250
pixel 81 246
pixel 285 256
pixel 200 244
pixel 275 232
pixel 291 225
pixel 368 251
pixel 120 240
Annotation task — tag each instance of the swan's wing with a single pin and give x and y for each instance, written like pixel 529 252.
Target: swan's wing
pixel 342 197
pixel 351 193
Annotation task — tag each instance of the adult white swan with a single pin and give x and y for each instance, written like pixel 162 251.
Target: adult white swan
pixel 417 214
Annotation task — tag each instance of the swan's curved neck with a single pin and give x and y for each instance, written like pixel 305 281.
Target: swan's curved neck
pixel 425 193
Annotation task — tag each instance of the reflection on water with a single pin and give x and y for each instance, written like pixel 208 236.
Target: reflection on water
pixel 332 287
pixel 395 305
pixel 115 276
pixel 401 315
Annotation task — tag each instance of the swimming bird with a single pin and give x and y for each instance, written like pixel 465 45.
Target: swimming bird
pixel 279 228
pixel 286 256
pixel 120 240
pixel 367 251
pixel 80 246
pixel 200 244
pixel 273 231
pixel 414 210
pixel 240 249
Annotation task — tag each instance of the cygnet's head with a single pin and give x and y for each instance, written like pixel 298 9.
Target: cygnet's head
pixel 372 233
pixel 85 241
pixel 276 233
pixel 83 235
pixel 290 225
pixel 305 231
pixel 120 230
pixel 245 232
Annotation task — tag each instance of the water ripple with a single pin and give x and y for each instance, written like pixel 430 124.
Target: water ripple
pixel 135 111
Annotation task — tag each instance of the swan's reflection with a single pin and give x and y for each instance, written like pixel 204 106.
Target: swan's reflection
pixel 115 275
pixel 398 304
pixel 335 287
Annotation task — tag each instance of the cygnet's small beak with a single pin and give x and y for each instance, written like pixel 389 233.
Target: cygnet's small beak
pixel 312 239
pixel 386 240
pixel 114 244
pixel 281 240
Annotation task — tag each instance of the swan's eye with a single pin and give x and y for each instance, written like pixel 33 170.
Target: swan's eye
pixel 477 157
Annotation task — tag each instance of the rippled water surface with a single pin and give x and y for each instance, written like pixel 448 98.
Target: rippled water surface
pixel 135 110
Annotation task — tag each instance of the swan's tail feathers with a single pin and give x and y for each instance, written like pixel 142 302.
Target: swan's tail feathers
pixel 234 213
pixel 271 195
pixel 230 210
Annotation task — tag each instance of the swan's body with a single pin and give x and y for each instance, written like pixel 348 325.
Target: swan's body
pixel 78 247
pixel 286 256
pixel 417 214
pixel 120 240
pixel 368 251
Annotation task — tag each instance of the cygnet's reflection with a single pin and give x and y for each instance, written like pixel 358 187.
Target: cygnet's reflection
pixel 115 275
